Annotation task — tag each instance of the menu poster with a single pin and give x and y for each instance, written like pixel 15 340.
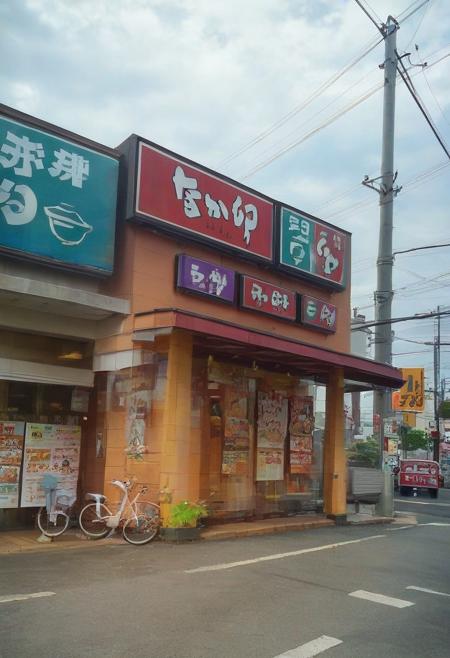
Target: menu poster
pixel 301 427
pixel 269 464
pixel 272 420
pixel 139 406
pixel 50 449
pixel 11 450
pixel 236 433
pixel 235 462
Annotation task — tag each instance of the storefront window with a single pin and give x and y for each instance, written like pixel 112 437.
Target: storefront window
pixel 261 455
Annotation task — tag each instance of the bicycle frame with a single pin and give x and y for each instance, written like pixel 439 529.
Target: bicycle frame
pixel 113 520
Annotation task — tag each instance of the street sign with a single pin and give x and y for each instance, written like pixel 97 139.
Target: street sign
pixel 411 395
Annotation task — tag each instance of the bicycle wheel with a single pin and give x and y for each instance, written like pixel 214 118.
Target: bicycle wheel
pixel 51 528
pixel 142 528
pixel 92 524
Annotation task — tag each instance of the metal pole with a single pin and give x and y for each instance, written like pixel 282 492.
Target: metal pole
pixel 385 260
pixel 384 294
pixel 437 376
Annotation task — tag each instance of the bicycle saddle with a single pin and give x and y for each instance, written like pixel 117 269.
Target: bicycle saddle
pixel 99 498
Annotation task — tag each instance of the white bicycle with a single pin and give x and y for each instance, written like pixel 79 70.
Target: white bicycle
pixel 140 520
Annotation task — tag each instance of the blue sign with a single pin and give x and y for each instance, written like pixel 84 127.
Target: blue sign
pixel 57 199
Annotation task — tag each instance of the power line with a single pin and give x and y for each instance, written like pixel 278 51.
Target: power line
pixel 409 85
pixel 284 119
pixel 406 318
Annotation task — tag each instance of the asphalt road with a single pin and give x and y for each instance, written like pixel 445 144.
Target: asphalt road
pixel 255 597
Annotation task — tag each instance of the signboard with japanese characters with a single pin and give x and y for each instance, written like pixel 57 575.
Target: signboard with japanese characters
pixel 57 198
pixel 318 313
pixel 207 279
pixel 262 296
pixel 183 198
pixel 411 395
pixel 11 450
pixel 312 249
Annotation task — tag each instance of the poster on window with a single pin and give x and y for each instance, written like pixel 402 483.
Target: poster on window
pixel 272 420
pixel 11 451
pixel 301 427
pixel 49 449
pixel 269 464
pixel 236 433
pixel 139 405
pixel 235 462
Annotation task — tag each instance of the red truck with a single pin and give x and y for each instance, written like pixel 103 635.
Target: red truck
pixel 414 474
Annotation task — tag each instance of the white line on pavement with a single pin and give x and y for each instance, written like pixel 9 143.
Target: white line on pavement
pixel 403 527
pixel 312 648
pixel 280 556
pixel 420 502
pixel 438 525
pixel 381 598
pixel 24 597
pixel 427 591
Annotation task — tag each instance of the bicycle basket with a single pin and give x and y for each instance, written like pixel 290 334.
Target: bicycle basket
pixel 65 499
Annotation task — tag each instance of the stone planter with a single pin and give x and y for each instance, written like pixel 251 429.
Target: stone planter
pixel 179 535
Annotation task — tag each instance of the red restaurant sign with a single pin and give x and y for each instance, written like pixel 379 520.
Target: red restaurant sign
pixel 261 296
pixel 318 313
pixel 185 197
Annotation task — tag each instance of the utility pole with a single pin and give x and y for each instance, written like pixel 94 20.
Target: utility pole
pixel 437 377
pixel 385 186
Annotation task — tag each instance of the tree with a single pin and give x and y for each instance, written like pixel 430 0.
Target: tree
pixel 365 453
pixel 413 439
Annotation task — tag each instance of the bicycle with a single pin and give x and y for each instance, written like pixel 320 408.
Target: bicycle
pixel 53 517
pixel 140 527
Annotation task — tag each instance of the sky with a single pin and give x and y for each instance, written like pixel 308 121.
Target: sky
pixel 208 79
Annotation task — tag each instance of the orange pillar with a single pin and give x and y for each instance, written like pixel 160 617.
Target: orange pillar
pixel 334 457
pixel 180 446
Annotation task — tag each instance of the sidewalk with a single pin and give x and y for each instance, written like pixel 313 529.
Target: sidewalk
pixel 23 541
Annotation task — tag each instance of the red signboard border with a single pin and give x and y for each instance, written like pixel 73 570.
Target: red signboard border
pixel 317 279
pixel 258 311
pixel 311 325
pixel 131 148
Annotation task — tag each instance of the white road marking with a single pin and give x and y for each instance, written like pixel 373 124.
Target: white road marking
pixel 280 556
pixel 438 525
pixel 312 648
pixel 381 598
pixel 427 591
pixel 24 597
pixel 420 502
pixel 403 527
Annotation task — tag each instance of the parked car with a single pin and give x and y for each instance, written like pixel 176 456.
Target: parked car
pixel 418 474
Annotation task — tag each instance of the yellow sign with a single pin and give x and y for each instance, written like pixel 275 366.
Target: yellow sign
pixel 411 395
pixel 409 419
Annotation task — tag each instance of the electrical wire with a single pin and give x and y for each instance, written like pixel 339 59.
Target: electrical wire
pixel 409 85
pixel 284 119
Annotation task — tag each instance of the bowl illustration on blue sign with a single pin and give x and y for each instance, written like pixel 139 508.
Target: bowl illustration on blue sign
pixel 66 224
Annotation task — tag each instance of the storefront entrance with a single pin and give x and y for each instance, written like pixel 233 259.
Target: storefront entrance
pixel 260 455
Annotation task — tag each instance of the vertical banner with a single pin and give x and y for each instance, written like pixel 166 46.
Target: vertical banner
pixel 11 451
pixel 235 457
pixel 271 435
pixel 301 429
pixel 50 449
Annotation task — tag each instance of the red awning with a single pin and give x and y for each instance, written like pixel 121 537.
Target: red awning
pixel 268 350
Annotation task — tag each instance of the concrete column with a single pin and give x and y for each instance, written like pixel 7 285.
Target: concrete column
pixel 334 457
pixel 180 446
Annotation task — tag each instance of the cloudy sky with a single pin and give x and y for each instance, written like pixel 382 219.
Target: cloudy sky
pixel 209 79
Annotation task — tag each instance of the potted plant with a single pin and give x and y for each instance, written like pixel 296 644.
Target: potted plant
pixel 183 523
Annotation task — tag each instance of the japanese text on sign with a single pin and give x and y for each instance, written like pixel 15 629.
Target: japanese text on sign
pixel 205 278
pixel 49 199
pixel 186 196
pixel 318 313
pixel 310 247
pixel 263 296
pixel 411 395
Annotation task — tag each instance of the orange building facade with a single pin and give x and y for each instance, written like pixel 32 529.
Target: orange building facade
pixel 240 306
